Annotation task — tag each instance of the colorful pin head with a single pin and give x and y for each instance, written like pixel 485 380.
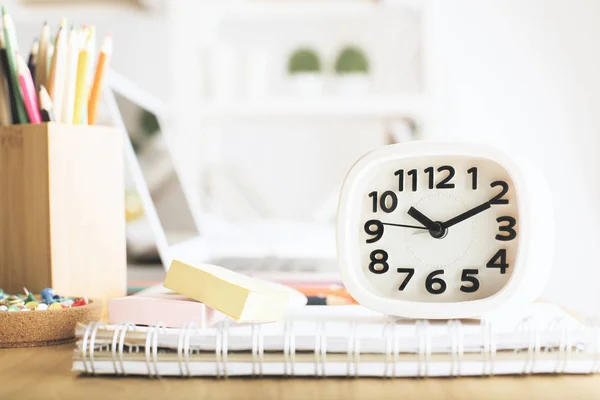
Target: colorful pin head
pixel 47 295
pixel 30 296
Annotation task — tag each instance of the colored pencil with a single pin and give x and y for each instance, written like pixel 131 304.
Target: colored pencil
pixel 90 74
pixel 46 107
pixel 28 90
pixel 41 69
pixel 12 47
pixel 5 115
pixel 33 55
pixel 101 67
pixel 82 88
pixel 70 77
pixel 58 67
pixel 6 75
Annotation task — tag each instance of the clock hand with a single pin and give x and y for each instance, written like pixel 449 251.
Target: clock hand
pixel 419 216
pixel 467 214
pixel 404 226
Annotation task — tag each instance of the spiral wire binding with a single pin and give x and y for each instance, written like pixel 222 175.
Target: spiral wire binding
pixel 353 353
pixel 391 340
pixel 117 346
pixel 389 331
pixel 257 350
pixel 320 349
pixel 183 348
pixel 489 349
pixel 423 334
pixel 221 349
pixel 151 348
pixel 289 348
pixel 84 343
pixel 563 355
pixel 455 329
pixel 224 346
pixel 90 335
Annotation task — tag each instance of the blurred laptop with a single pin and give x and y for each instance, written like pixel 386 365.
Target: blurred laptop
pixel 269 248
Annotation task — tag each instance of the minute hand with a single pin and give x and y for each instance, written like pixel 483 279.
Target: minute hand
pixel 467 214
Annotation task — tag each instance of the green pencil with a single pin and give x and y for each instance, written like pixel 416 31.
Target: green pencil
pixel 11 48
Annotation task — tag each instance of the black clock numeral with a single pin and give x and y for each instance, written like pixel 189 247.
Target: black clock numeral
pixel 379 257
pixel 373 195
pixel 499 261
pixel 444 183
pixel 507 228
pixel 473 173
pixel 467 276
pixel 387 202
pixel 431 178
pixel 400 175
pixel 384 201
pixel 410 272
pixel 412 174
pixel 498 198
pixel 432 280
pixel 375 228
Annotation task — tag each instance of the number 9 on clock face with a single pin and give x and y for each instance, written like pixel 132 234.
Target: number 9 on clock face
pixel 438 230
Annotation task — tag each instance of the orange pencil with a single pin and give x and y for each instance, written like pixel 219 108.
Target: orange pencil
pixel 101 67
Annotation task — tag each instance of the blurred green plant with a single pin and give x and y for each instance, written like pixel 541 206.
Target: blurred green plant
pixel 304 60
pixel 351 60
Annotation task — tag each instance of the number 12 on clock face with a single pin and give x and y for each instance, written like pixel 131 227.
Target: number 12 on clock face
pixel 429 224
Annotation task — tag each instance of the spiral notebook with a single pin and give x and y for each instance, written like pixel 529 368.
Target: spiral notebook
pixel 347 341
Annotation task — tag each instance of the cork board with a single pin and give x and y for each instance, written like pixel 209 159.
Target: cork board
pixel 48 327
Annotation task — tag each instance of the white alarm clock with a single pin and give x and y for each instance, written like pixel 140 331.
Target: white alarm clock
pixel 444 230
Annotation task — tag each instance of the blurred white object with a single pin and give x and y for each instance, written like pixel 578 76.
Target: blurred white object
pixel 307 84
pixel 353 84
pixel 224 74
pixel 257 80
pixel 257 245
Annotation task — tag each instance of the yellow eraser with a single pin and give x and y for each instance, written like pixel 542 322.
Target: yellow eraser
pixel 241 297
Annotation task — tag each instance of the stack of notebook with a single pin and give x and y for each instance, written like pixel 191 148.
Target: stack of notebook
pixel 346 341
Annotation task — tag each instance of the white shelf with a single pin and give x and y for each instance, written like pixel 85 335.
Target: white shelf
pixel 374 107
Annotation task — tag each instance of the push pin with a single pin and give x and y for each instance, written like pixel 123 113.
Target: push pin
pixel 47 295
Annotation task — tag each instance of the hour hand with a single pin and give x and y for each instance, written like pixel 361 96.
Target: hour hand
pixel 422 218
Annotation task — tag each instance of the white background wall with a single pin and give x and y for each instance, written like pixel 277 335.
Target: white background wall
pixel 526 75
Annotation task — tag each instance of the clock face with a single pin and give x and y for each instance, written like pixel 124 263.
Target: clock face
pixel 436 228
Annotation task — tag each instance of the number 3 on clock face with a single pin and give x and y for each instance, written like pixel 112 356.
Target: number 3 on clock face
pixel 435 230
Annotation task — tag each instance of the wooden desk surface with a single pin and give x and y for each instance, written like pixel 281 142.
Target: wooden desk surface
pixel 45 373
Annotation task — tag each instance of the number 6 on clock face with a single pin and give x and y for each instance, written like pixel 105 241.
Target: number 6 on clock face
pixel 440 230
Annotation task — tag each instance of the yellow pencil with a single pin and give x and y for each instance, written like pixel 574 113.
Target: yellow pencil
pixel 101 67
pixel 82 86
pixel 68 99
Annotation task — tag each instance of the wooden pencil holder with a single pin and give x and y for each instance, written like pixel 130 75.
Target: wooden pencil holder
pixel 62 217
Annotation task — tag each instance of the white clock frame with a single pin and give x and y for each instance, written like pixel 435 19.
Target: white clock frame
pixel 533 262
